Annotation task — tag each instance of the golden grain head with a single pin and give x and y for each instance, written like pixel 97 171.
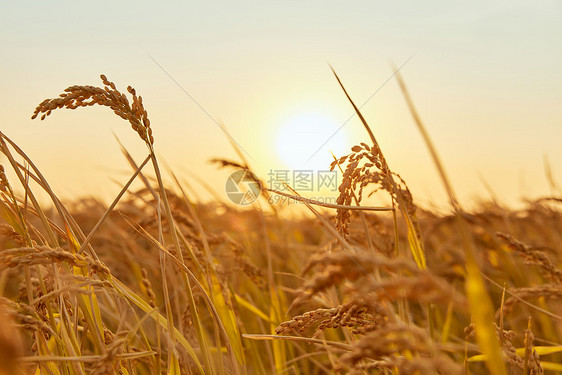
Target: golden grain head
pixel 77 96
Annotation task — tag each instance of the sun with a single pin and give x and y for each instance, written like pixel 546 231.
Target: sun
pixel 305 141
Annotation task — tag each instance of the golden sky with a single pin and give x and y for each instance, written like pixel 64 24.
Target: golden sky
pixel 485 77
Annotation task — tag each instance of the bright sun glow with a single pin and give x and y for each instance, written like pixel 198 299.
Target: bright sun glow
pixel 304 142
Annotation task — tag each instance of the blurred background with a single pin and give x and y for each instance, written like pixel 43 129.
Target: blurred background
pixel 486 78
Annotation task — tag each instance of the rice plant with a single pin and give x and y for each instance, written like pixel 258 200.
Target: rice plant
pixel 157 282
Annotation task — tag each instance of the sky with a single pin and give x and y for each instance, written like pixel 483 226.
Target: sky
pixel 485 76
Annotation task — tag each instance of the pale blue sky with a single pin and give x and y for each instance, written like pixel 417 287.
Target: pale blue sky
pixel 485 77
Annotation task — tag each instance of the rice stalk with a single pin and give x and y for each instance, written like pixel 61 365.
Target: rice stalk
pixel 480 303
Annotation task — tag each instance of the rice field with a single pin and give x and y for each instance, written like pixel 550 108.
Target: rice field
pixel 158 283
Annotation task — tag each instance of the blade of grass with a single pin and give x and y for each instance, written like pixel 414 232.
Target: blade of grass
pixel 112 206
pixel 480 303
pixel 159 318
pixel 221 297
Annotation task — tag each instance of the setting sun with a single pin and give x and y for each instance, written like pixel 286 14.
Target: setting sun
pixel 304 141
